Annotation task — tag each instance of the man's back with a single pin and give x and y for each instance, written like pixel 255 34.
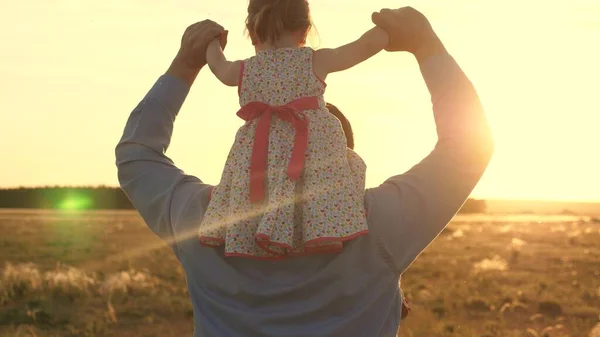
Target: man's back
pixel 353 293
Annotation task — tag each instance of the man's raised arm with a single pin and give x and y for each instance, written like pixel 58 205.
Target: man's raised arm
pixel 156 187
pixel 408 211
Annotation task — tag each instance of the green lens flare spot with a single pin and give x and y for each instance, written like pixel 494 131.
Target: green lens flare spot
pixel 75 203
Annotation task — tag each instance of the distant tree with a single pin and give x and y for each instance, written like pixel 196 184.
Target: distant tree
pixel 105 198
pixel 92 198
pixel 473 206
pixel 567 212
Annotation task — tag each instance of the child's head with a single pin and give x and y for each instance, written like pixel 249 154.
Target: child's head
pixel 270 20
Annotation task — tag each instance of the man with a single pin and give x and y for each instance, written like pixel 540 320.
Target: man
pixel 353 293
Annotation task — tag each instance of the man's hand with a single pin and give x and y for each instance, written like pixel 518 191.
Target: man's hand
pixel 409 30
pixel 192 52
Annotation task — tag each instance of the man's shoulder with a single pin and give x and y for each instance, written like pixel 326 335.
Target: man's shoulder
pixel 189 205
pixel 382 204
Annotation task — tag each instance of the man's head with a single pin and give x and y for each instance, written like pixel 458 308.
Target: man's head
pixel 345 124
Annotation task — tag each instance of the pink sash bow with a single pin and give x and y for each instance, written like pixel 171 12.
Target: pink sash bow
pixel 293 113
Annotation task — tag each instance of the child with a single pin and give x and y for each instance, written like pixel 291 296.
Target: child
pixel 290 186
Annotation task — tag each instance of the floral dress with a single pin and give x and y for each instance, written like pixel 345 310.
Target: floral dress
pixel 290 185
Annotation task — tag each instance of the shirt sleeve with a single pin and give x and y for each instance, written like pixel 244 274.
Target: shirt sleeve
pixel 159 191
pixel 408 211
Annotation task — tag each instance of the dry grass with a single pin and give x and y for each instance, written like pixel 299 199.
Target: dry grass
pixel 75 275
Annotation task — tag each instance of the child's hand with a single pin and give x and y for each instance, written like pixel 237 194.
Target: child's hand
pixel 223 39
pixel 218 43
pixel 379 38
pixel 195 40
pixel 408 29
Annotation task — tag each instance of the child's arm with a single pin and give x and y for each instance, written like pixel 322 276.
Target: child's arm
pixel 227 72
pixel 327 61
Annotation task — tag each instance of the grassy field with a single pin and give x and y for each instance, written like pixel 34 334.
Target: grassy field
pixel 105 274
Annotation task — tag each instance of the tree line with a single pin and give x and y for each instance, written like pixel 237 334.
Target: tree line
pixel 106 198
pixel 91 198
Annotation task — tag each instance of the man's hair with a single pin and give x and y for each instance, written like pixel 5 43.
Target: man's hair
pixel 345 124
pixel 268 19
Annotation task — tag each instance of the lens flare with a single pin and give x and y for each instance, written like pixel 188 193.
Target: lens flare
pixel 75 202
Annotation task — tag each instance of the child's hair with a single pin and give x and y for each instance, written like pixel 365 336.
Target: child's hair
pixel 268 19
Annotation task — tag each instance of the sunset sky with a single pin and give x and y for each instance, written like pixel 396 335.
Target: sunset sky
pixel 71 71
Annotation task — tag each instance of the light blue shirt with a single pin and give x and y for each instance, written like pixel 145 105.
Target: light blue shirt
pixel 354 293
